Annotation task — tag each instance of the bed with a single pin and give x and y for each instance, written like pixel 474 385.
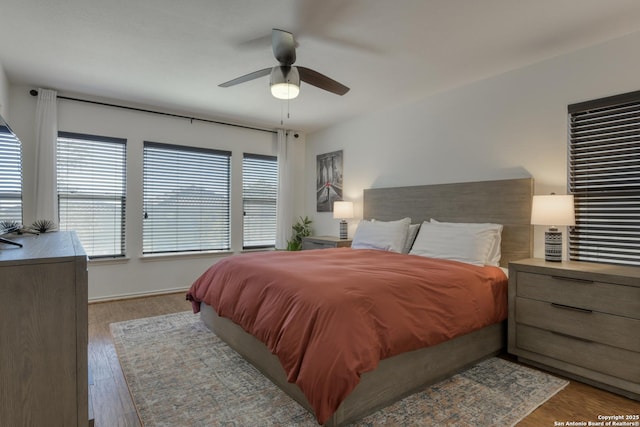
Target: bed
pixel 506 202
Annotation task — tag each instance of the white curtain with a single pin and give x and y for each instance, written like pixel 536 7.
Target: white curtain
pixel 46 206
pixel 284 205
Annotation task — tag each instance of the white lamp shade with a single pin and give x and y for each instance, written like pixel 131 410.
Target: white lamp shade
pixel 343 210
pixel 554 209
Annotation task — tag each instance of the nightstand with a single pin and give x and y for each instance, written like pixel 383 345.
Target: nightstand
pixel 324 242
pixel 578 319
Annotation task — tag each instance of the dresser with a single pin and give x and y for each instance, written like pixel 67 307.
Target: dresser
pixel 578 319
pixel 324 242
pixel 43 332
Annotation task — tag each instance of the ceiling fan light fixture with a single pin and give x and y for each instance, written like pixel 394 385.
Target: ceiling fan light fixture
pixel 285 90
pixel 285 82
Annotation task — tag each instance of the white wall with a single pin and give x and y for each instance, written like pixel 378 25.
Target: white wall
pixel 139 275
pixel 4 94
pixel 509 126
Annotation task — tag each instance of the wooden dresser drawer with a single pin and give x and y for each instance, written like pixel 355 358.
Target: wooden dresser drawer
pixel 598 357
pixel 616 331
pixel 590 295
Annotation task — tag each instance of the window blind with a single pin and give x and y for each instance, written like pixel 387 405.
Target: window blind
pixel 604 176
pixel 10 176
pixel 186 199
pixel 91 173
pixel 259 196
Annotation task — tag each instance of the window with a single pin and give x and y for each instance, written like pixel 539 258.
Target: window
pixel 259 195
pixel 92 191
pixel 604 177
pixel 186 199
pixel 10 176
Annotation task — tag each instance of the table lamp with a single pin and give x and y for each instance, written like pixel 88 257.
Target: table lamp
pixel 343 210
pixel 553 210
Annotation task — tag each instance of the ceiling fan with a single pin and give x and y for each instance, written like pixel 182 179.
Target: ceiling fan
pixel 285 78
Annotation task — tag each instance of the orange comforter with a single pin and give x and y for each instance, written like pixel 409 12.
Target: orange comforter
pixel 332 314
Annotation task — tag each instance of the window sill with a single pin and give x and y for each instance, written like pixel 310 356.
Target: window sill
pixel 184 255
pixel 248 251
pixel 108 261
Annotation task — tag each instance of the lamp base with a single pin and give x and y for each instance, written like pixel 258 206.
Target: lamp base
pixel 343 230
pixel 553 245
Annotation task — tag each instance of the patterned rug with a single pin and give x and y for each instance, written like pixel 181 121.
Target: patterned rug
pixel 181 374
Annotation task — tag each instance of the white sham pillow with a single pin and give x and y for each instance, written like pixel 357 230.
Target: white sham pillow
pixel 461 244
pixel 382 235
pixel 495 252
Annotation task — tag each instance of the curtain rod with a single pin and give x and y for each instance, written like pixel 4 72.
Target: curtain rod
pixel 34 92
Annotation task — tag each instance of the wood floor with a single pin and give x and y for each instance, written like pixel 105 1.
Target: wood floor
pixel 108 393
pixel 112 405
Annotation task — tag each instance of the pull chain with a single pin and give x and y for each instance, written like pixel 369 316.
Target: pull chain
pixel 282 112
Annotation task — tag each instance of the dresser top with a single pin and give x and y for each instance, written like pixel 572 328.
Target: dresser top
pixel 627 275
pixel 58 245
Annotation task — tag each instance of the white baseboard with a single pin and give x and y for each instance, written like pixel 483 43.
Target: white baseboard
pixel 137 295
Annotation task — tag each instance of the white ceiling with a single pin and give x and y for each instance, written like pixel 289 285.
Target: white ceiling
pixel 171 55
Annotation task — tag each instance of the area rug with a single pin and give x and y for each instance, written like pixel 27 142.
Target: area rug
pixel 181 374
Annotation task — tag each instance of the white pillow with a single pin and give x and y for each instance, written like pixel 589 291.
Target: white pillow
pixel 454 243
pixel 383 235
pixel 411 237
pixel 495 251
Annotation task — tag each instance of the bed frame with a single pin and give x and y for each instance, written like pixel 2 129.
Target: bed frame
pixel 506 202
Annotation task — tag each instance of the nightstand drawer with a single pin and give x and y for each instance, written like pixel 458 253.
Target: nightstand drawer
pixel 310 244
pixel 598 357
pixel 324 242
pixel 616 331
pixel 591 295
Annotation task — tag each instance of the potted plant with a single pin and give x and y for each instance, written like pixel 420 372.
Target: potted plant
pixel 301 229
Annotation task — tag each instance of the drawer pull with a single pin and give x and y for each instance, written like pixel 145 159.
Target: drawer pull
pixel 571 337
pixel 572 279
pixel 568 307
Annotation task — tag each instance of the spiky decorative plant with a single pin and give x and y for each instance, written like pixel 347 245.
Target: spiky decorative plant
pixel 42 225
pixel 9 226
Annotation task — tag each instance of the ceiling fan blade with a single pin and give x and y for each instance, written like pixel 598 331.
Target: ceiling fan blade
pixel 284 46
pixel 247 77
pixel 320 80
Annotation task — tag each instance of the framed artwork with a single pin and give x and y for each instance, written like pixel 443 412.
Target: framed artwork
pixel 328 180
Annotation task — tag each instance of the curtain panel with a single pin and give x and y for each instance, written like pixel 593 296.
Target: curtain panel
pixel 284 207
pixel 45 203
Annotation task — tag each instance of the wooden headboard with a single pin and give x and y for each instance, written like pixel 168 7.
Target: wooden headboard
pixel 506 202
